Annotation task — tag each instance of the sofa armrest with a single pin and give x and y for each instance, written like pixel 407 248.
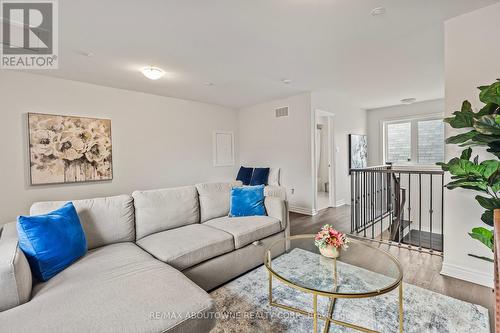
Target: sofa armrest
pixel 275 191
pixel 277 208
pixel 15 273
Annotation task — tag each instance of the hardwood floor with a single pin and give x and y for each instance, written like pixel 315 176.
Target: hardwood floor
pixel 420 269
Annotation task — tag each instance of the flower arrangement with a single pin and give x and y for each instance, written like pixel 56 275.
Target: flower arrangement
pixel 330 241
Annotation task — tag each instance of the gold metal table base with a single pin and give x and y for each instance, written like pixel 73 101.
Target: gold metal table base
pixel 328 319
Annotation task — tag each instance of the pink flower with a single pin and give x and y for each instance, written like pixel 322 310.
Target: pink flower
pixel 328 236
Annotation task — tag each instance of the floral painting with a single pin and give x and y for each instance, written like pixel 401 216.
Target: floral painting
pixel 67 149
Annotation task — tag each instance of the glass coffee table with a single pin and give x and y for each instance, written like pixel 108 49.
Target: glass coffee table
pixel 361 271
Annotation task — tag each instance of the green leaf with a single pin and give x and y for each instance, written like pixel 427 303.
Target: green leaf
pixel 478 185
pixel 483 235
pixel 461 138
pixel 488 203
pixel 460 167
pixel 489 124
pixel 466 154
pixel 487 217
pixel 490 94
pixel 466 106
pixel 489 108
pixel 490 168
pixel 463 118
pixel 495 187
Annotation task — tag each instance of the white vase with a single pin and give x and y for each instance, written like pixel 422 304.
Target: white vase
pixel 330 251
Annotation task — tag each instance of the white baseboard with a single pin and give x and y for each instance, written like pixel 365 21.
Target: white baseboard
pixel 340 203
pixel 467 274
pixel 303 210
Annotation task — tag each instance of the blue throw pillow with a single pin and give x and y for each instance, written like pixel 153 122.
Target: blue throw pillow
pixel 245 175
pixel 51 242
pixel 259 176
pixel 247 201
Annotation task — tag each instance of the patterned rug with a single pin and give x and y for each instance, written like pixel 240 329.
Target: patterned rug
pixel 242 306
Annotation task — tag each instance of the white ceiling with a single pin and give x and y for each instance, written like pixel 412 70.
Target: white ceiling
pixel 245 47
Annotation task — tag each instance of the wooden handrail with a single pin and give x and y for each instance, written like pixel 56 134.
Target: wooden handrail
pixel 496 239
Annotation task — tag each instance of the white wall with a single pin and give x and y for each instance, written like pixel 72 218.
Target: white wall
pixel 348 119
pixel 471 59
pixel 157 141
pixel 376 118
pixel 285 143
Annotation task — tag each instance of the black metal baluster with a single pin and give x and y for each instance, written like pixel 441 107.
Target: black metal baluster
pixel 364 204
pixel 409 210
pixel 352 200
pixel 442 212
pixel 420 212
pixel 401 210
pixel 360 215
pixel 381 204
pixel 374 188
pixel 430 213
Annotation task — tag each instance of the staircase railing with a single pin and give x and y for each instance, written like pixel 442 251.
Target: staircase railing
pixel 398 205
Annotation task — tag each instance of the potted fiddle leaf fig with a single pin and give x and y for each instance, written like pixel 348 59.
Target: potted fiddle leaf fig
pixel 483 130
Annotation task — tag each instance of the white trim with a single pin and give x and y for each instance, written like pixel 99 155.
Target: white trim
pixel 340 202
pixel 331 159
pixel 214 144
pixel 303 210
pixel 467 274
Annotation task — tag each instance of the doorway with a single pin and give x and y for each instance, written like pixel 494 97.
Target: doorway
pixel 323 161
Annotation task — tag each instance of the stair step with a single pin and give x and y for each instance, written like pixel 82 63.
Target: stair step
pixel 405 224
pixel 412 238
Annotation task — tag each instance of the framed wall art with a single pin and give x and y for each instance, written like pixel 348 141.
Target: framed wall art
pixel 69 149
pixel 358 151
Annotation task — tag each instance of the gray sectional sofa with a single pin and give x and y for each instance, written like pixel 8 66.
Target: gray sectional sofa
pixel 152 258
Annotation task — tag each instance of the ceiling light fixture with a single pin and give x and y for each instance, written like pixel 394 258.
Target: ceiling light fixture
pixel 378 11
pixel 152 73
pixel 286 81
pixel 408 100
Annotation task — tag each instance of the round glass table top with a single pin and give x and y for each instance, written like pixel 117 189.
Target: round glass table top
pixel 361 270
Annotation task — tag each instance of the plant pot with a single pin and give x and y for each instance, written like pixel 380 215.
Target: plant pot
pixel 330 251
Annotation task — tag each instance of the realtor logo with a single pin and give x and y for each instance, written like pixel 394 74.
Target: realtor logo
pixel 29 34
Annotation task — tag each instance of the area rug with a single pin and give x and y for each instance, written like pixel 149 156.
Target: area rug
pixel 242 305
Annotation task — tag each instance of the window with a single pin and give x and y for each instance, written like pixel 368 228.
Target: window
pixel 416 141
pixel 399 142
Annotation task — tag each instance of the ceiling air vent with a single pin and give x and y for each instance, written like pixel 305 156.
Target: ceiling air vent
pixel 281 112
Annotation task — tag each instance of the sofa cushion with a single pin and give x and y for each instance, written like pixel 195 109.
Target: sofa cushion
pixel 248 229
pixel 214 199
pixel 247 201
pixel 187 246
pixel 104 220
pixel 15 273
pixel 116 288
pixel 245 175
pixel 260 176
pixel 159 210
pixel 52 241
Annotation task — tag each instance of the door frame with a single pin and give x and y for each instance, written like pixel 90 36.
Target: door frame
pixel 331 158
